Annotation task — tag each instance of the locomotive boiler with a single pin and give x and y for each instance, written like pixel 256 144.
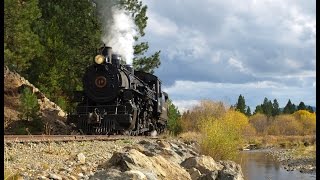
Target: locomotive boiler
pixel 116 99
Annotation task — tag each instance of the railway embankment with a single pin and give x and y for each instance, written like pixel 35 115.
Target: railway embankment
pixel 53 118
pixel 121 159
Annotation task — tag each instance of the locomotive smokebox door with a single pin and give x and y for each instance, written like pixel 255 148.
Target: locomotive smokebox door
pixel 101 81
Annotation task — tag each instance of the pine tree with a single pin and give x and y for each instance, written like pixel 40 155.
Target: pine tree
pixel 21 43
pixel 241 104
pixel 248 112
pixel 258 110
pixel 69 33
pixel 267 107
pixel 301 106
pixel 310 109
pixel 289 108
pixel 140 61
pixel 174 115
pixel 275 108
pixel 29 105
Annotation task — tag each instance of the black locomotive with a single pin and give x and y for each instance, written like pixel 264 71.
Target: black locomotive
pixel 116 99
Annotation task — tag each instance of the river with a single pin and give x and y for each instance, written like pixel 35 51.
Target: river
pixel 258 165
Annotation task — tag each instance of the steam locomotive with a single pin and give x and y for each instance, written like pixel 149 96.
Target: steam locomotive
pixel 116 99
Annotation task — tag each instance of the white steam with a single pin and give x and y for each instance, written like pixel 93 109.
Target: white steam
pixel 118 29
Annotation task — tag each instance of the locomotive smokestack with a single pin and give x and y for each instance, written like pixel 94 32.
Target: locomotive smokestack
pixel 106 51
pixel 109 54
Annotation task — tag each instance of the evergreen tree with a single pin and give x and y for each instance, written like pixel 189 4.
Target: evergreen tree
pixel 174 116
pixel 241 104
pixel 140 61
pixel 258 110
pixel 301 106
pixel 248 112
pixel 21 43
pixel 29 105
pixel 289 108
pixel 69 32
pixel 310 109
pixel 267 107
pixel 275 108
pixel 293 108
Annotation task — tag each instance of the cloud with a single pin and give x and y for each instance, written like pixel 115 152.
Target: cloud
pixel 188 93
pixel 162 26
pixel 184 105
pixel 229 47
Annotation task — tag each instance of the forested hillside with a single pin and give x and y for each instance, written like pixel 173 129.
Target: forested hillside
pixel 50 43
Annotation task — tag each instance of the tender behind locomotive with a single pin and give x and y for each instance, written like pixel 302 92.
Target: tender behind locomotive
pixel 117 99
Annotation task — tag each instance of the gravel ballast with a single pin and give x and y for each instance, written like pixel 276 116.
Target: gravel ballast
pixel 65 160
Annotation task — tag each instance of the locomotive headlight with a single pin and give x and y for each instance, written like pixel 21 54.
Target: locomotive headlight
pixel 99 59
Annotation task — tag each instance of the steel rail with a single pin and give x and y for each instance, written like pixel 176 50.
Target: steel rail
pixel 65 138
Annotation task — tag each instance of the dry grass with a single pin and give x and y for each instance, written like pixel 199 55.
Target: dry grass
pixel 9 175
pixel 305 152
pixel 282 141
pixel 189 137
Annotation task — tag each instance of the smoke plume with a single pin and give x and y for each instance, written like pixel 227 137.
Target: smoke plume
pixel 118 28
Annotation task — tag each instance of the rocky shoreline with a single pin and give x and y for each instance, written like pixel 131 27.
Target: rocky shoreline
pixel 306 164
pixel 122 159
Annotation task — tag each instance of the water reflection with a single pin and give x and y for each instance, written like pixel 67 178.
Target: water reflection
pixel 258 165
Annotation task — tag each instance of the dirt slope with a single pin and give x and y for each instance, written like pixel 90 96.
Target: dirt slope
pixel 52 116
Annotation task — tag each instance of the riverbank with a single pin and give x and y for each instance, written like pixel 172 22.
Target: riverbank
pixel 143 159
pixel 293 152
pixel 302 159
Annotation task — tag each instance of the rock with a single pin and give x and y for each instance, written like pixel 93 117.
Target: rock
pixel 135 160
pixel 61 113
pixel 112 174
pixel 194 173
pixel 204 164
pixel 81 158
pixel 72 177
pixel 42 178
pixel 230 171
pixel 163 144
pixel 55 176
pixel 209 176
pixel 134 174
pixel 84 169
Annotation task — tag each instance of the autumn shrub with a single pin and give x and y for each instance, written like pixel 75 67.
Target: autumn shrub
pixel 259 122
pixel 285 125
pixel 308 121
pixel 206 109
pixel 222 136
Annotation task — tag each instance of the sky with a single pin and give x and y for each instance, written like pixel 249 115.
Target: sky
pixel 217 50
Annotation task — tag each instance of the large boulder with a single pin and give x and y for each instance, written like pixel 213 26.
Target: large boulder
pixel 230 171
pixel 204 164
pixel 151 166
pixel 155 160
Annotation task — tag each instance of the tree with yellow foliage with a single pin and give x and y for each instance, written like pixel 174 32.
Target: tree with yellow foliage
pixel 308 121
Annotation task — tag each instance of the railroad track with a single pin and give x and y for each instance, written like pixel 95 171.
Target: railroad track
pixel 65 138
